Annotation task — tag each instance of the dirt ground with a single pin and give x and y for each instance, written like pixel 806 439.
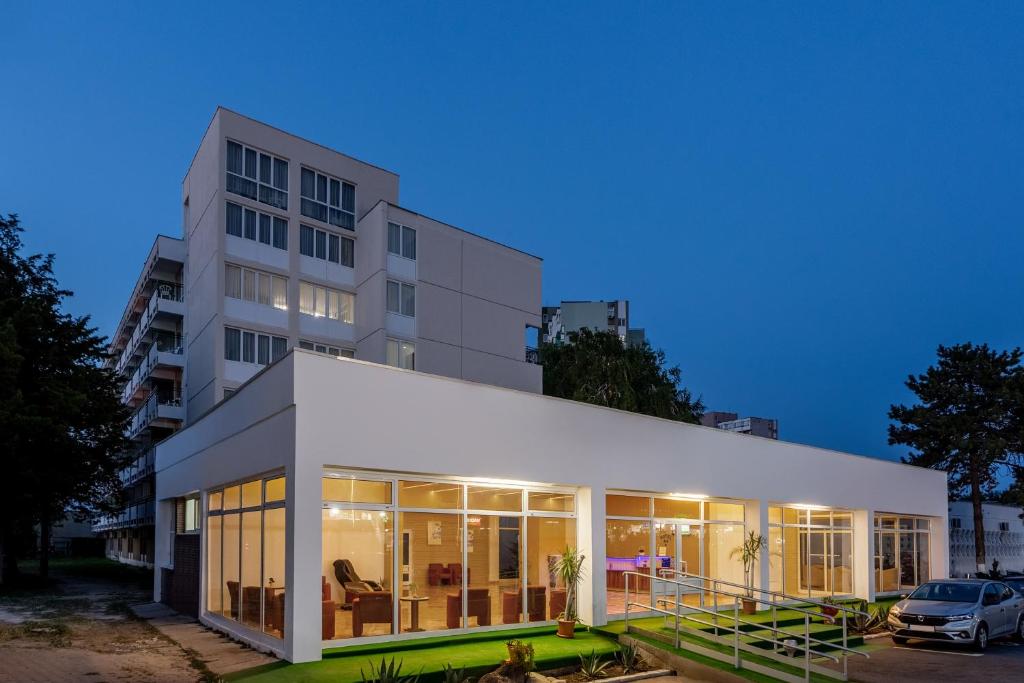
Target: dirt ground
pixel 79 628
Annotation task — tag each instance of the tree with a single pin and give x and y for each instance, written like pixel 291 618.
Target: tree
pixel 968 422
pixel 596 367
pixel 61 419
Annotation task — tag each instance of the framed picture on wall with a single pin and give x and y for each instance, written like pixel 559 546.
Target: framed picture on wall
pixel 433 533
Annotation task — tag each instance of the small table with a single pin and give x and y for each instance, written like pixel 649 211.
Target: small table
pixel 414 610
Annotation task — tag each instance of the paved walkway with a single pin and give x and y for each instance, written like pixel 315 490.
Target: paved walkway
pixel 220 655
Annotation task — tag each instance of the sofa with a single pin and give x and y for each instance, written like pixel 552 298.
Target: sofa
pixel 479 605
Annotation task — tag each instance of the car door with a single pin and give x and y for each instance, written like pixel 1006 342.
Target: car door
pixel 1011 604
pixel 993 610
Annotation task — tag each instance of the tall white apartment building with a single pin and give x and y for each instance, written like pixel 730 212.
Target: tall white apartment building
pixel 286 243
pixel 558 322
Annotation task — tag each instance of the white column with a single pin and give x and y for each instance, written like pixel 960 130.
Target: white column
pixel 864 554
pixel 163 525
pixel 755 514
pixel 303 637
pixel 590 526
pixel 938 547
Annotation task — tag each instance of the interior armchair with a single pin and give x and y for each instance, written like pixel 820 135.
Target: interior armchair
pixel 352 582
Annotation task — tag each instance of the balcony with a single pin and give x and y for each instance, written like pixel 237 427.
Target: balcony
pixel 140 468
pixel 167 299
pixel 159 408
pixel 166 352
pixel 532 355
pixel 139 514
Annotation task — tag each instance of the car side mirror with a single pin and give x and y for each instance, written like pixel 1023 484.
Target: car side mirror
pixel 904 596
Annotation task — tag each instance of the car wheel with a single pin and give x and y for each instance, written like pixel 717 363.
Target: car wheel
pixel 981 638
pixel 899 640
pixel 1020 629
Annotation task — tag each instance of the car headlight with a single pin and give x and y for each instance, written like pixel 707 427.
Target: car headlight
pixel 961 617
pixel 895 611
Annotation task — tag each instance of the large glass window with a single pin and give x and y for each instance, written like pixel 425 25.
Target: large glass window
pixel 256 226
pixel 651 534
pixel 401 354
pixel 401 298
pixel 401 241
pixel 810 551
pixel 324 302
pixel 459 555
pixel 245 554
pixel 328 199
pixel 326 246
pixel 256 175
pixel 256 286
pixel 901 553
pixel 253 347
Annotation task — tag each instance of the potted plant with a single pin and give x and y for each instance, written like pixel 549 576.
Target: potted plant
pixel 569 569
pixel 829 609
pixel 750 553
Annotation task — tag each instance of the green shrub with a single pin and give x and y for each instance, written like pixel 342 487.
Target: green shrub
pixel 592 667
pixel 629 658
pixel 387 672
pixel 453 675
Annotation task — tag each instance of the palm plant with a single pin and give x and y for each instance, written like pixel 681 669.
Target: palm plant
pixel 592 667
pixel 386 672
pixel 569 570
pixel 749 553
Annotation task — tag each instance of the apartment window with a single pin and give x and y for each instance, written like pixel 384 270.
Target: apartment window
pixel 401 354
pixel 401 298
pixel 257 226
pixel 323 302
pixel 401 241
pixel 326 246
pixel 256 175
pixel 253 347
pixel 191 515
pixel 256 286
pixel 1004 526
pixel 335 351
pixel 328 199
pixel 955 523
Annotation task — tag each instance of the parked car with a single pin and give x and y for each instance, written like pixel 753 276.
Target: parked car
pixel 1015 582
pixel 959 611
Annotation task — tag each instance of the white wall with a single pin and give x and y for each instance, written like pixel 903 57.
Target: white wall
pixel 355 414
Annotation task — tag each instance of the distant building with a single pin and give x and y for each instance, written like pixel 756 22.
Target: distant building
pixel 557 322
pixel 731 422
pixel 1004 537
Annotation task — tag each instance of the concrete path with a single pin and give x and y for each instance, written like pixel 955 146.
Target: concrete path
pixel 219 654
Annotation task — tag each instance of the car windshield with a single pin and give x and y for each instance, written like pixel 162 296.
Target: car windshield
pixel 947 592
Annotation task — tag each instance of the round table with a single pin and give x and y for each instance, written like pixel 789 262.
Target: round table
pixel 414 610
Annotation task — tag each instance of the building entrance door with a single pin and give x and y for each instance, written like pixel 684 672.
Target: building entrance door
pixel 677 546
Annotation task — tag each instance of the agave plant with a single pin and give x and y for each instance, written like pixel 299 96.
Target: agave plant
pixel 387 672
pixel 871 620
pixel 591 666
pixel 453 675
pixel 629 658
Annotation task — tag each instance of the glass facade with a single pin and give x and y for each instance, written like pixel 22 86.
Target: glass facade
pixel 407 555
pixel 245 554
pixel 902 546
pixel 810 551
pixel 645 533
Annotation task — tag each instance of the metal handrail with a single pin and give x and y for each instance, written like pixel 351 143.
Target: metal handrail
pixel 763 591
pixel 735 629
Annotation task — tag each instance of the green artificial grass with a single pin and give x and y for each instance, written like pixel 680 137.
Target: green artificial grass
pixel 478 653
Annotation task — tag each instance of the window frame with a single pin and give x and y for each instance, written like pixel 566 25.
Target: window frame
pixel 402 231
pixel 256 179
pixel 327 203
pixel 321 291
pixel 401 343
pixel 402 287
pixel 274 280
pixel 277 345
pixel 278 226
pixel 345 246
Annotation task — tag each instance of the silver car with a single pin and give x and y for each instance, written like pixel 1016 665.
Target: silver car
pixel 961 611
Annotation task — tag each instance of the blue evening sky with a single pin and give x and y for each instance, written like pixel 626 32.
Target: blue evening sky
pixel 801 200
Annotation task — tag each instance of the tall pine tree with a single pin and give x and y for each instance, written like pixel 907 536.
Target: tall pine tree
pixel 61 419
pixel 969 421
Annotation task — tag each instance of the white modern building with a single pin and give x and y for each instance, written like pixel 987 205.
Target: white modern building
pixel 286 243
pixel 558 322
pixel 337 502
pixel 1004 537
